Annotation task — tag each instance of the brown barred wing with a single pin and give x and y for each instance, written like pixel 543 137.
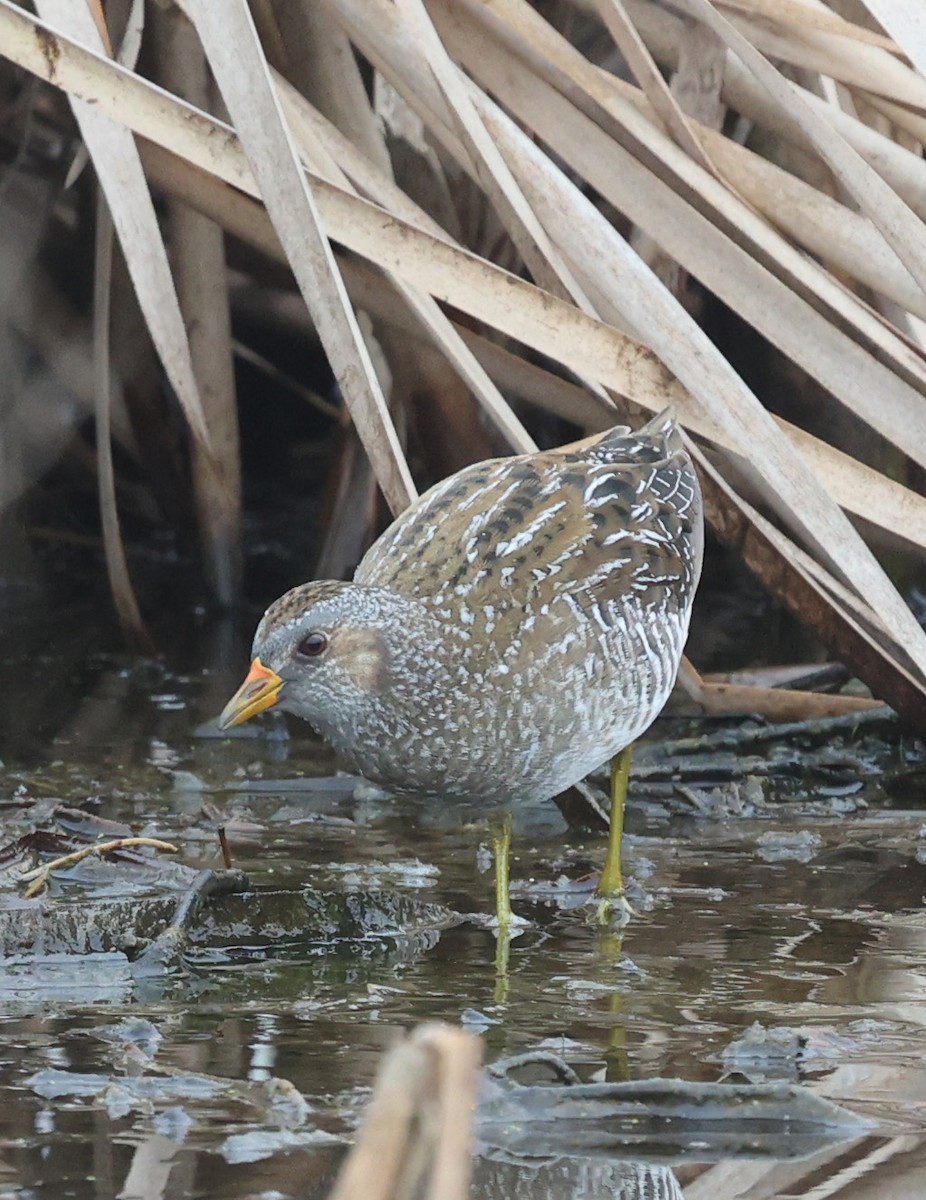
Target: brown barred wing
pixel 502 540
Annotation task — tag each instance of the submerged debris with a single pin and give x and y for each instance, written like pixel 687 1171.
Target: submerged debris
pixel 781 845
pixel 657 1119
pixel 782 1051
pixel 165 951
pixel 273 1102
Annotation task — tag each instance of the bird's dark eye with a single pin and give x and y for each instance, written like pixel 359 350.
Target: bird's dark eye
pixel 312 645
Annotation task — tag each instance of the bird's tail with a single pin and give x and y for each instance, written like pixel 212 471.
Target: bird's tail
pixel 658 441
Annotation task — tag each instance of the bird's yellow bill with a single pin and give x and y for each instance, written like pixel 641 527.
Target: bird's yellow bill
pixel 259 691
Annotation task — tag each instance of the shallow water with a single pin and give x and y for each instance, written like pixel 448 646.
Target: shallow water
pixel 805 916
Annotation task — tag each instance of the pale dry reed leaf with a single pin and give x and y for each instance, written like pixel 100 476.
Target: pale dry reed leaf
pixel 783 479
pixel 320 145
pixel 893 509
pixel 901 228
pixel 322 66
pixel 479 153
pixel 127 55
pixel 241 71
pixel 842 237
pixel 865 492
pixel 326 68
pixel 120 582
pixel 541 257
pixel 849 61
pixel 115 158
pixel 647 74
pixel 130 46
pixel 904 171
pixel 333 152
pixel 444 334
pixel 198 258
pixel 906 23
pixel 876 387
pixel 340 161
pixel 803 17
pixel 902 119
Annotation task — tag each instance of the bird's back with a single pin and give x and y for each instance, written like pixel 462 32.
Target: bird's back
pixel 619 514
pixel 564 581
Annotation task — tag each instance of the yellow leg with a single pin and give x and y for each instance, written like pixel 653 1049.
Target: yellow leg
pixel 502 955
pixel 500 828
pixel 507 923
pixel 611 950
pixel 616 1056
pixel 612 905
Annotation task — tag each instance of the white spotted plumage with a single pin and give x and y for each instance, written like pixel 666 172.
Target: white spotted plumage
pixel 530 615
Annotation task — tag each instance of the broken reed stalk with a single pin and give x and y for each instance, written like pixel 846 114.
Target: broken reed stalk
pixel 416 1136
pixel 120 581
pixel 197 251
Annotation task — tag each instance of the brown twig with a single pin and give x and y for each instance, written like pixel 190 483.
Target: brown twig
pixel 226 850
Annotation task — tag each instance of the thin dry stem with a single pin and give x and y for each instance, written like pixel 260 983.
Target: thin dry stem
pixel 41 875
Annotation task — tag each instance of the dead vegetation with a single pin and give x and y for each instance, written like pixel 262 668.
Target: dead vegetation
pixel 494 211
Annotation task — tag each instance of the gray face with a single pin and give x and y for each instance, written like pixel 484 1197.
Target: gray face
pixel 344 653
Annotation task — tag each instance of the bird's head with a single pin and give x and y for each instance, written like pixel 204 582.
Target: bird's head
pixel 330 653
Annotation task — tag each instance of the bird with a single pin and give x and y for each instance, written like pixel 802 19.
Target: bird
pixel 517 626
